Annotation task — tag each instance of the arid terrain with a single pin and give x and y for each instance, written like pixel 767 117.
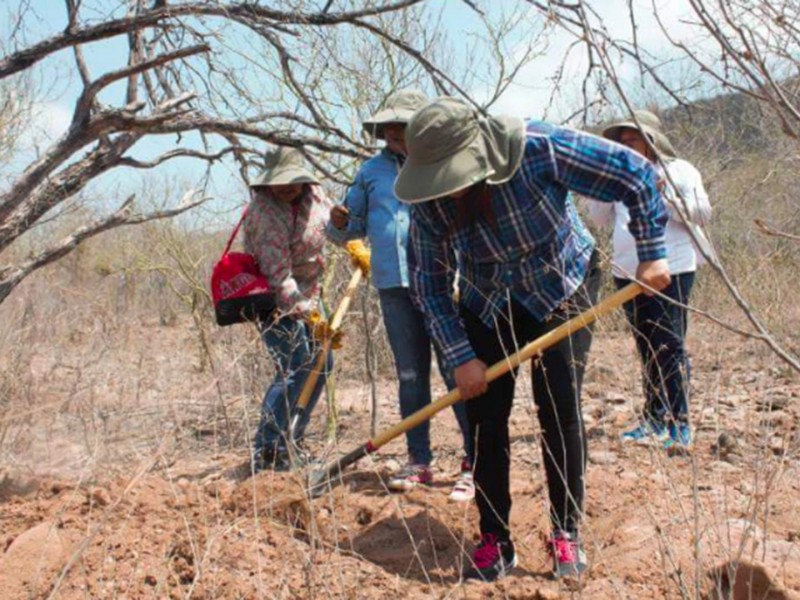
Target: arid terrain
pixel 130 133
pixel 120 482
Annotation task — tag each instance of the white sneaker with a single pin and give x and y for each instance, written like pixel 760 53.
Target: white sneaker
pixel 464 488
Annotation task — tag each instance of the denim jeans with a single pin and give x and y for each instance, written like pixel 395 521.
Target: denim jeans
pixel 411 346
pixel 294 353
pixel 659 327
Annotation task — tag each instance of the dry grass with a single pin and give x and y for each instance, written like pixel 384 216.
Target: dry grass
pixel 111 363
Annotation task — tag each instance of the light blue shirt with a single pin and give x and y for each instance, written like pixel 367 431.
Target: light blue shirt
pixel 377 214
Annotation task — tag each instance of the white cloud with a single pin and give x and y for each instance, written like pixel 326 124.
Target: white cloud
pixel 49 121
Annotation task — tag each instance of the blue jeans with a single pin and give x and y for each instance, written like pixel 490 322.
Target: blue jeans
pixel 659 327
pixel 411 346
pixel 294 353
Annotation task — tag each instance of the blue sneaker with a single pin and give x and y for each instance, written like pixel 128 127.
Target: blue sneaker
pixel 680 438
pixel 646 432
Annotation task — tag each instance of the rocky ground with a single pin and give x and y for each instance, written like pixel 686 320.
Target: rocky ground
pixel 186 520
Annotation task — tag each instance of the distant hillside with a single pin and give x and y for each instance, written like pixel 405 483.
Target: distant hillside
pixel 730 125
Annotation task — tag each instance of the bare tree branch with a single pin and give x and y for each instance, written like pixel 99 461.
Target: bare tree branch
pixel 767 229
pixel 90 93
pixel 127 161
pixel 10 278
pixel 22 59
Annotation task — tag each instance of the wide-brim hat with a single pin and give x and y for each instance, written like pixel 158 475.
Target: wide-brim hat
pixel 284 166
pixel 651 125
pixel 398 108
pixel 451 146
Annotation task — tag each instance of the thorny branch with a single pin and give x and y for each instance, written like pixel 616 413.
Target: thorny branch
pixel 580 19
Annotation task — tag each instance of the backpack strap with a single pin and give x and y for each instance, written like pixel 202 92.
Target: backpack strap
pixel 235 231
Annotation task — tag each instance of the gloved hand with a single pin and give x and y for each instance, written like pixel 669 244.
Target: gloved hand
pixel 322 331
pixel 359 255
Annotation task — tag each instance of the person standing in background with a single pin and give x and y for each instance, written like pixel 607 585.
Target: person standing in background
pixel 285 231
pixel 370 209
pixel 659 323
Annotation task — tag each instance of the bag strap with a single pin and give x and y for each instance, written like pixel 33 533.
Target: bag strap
pixel 235 231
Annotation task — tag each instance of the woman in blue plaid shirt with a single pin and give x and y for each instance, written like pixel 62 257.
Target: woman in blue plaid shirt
pixel 491 201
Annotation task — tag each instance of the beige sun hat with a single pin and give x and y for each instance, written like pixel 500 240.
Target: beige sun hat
pixel 451 146
pixel 284 166
pixel 652 127
pixel 398 108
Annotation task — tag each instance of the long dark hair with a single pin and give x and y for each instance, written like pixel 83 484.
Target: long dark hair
pixel 476 203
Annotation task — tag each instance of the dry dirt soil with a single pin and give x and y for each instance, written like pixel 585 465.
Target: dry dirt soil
pixel 169 520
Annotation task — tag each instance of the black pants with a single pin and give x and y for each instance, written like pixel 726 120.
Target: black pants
pixel 659 328
pixel 557 378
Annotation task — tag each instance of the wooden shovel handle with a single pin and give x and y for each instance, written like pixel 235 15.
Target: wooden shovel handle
pixel 537 346
pixel 335 323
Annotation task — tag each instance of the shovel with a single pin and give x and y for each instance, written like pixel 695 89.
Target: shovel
pixel 329 475
pixel 335 323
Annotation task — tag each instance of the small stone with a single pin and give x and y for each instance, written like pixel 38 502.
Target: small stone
pixel 734 400
pixel 392 465
pixel 614 398
pixel 732 459
pixel 745 579
pixel 724 467
pixel 776 419
pixel 777 445
pixel 57 487
pixel 773 401
pixel 726 445
pixel 150 580
pixel 603 457
pixel 100 496
pixel 600 373
pixel 546 593
pixel 364 516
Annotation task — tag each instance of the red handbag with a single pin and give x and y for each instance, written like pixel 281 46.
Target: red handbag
pixel 238 289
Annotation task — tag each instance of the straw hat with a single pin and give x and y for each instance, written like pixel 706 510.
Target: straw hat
pixel 398 109
pixel 451 146
pixel 651 125
pixel 284 166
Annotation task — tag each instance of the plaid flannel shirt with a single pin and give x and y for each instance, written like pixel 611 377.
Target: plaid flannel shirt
pixel 538 249
pixel 289 247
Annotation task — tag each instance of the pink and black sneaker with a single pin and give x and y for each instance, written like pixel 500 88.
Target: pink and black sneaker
pixel 569 559
pixel 492 559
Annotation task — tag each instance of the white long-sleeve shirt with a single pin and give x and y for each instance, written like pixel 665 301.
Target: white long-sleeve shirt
pixel 682 255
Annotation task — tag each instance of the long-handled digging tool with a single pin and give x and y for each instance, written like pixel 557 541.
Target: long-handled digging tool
pixel 360 256
pixel 329 475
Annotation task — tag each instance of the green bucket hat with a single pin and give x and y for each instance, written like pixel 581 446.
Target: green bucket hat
pixel 451 146
pixel 284 166
pixel 651 125
pixel 398 109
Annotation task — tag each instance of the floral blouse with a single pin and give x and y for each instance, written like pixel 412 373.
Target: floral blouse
pixel 287 242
